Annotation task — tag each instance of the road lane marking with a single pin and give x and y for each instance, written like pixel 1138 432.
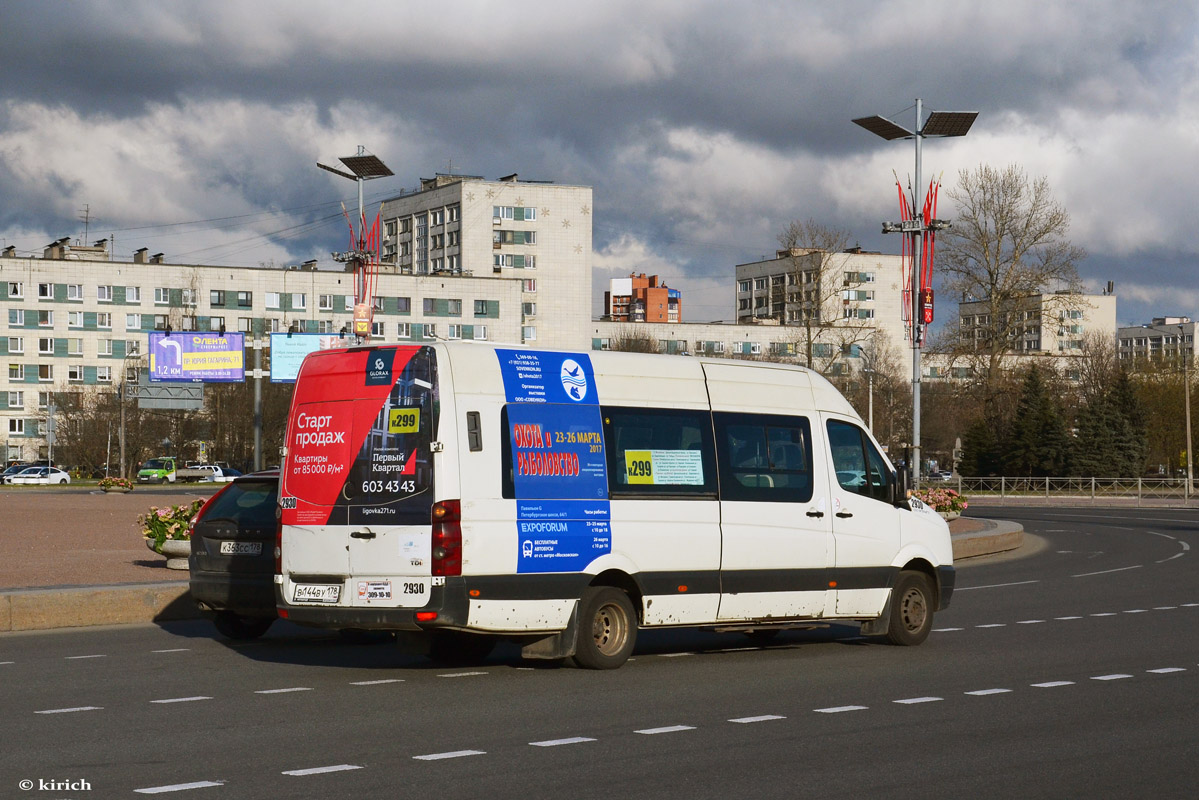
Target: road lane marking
pixel 1105 614
pixel 1107 571
pixel 762 718
pixel 914 700
pixel 674 655
pixel 461 674
pixel 946 630
pixel 179 787
pixel 70 710
pixel 1165 608
pixel 1136 611
pixel 1066 618
pixel 76 658
pixel 2 663
pixel 451 754
pixel 839 709
pixel 376 683
pixel 1189 605
pixel 1051 684
pixel 993 586
pixel 558 742
pixel 173 650
pixel 993 625
pixel 1029 621
pixel 1113 677
pixel 284 691
pixel 1165 670
pixel 182 699
pixel 320 770
pixel 666 729
pixel 984 692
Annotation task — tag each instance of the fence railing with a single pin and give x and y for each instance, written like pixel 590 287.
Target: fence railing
pixel 1158 491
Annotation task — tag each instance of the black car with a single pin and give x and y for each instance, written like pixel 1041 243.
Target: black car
pixel 232 557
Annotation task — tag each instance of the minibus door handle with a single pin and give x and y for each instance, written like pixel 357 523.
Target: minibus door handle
pixel 815 512
pixel 844 515
pixel 366 534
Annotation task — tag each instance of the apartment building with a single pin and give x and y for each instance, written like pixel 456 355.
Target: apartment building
pixel 641 299
pixel 1164 337
pixel 1055 324
pixel 536 232
pixel 76 320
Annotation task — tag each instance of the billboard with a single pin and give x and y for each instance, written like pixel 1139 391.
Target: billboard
pixel 194 356
pixel 288 351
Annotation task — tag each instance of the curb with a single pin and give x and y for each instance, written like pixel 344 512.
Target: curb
pixel 141 603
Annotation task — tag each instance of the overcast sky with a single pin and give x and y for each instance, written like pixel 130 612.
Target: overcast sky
pixel 193 128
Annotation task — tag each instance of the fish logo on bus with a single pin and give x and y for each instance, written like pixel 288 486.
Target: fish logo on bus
pixel 574 380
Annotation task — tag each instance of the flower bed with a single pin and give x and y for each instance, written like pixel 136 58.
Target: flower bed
pixel 120 484
pixel 942 500
pixel 161 524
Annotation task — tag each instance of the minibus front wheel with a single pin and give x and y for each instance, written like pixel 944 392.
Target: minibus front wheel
pixel 912 607
pixel 607 628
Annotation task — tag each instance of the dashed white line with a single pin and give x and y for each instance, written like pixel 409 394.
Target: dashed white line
pixel 1189 605
pixel 910 701
pixel 1113 677
pixel 76 658
pixel 1051 684
pixel 321 770
pixel 179 787
pixel 182 699
pixel 666 729
pixel 1137 611
pixel 460 674
pixel 993 625
pixel 376 683
pixel 1066 618
pixel 1029 621
pixel 451 754
pixel 946 630
pixel 1165 670
pixel 1107 571
pixel 69 710
pixel 993 586
pixel 761 718
pixel 173 650
pixel 2 663
pixel 984 692
pixel 674 655
pixel 559 742
pixel 285 691
pixel 1165 608
pixel 1105 614
pixel 839 709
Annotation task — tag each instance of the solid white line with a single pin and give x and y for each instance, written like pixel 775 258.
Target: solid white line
pixel 557 742
pixel 1066 618
pixel 1171 558
pixel 1052 684
pixel 173 650
pixel 376 683
pixel 179 787
pixel 993 625
pixel 667 729
pixel 982 692
pixel 993 586
pixel 913 700
pixel 284 691
pixel 74 658
pixel 461 674
pixel 182 699
pixel 946 630
pixel 1165 670
pixel 1107 571
pixel 1114 677
pixel 70 710
pixel 839 709
pixel 320 770
pixel 762 718
pixel 1029 621
pixel 453 754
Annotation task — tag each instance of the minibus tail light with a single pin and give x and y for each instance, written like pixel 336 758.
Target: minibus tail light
pixel 447 538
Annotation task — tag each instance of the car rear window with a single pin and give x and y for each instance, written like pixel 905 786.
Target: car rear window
pixel 251 503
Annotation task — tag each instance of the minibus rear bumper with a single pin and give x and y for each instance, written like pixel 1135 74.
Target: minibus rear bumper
pixel 447 603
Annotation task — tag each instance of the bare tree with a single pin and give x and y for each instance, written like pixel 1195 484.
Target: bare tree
pixel 1008 242
pixel 632 340
pixel 808 296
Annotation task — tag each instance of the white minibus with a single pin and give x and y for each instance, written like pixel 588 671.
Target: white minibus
pixel 479 492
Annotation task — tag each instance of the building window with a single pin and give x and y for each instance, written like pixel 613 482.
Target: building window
pixel 104 320
pixel 16 399
pixel 349 302
pixel 325 326
pixel 103 374
pixel 133 347
pixel 45 319
pixel 161 321
pixel 480 332
pixel 377 330
pixel 45 291
pixel 104 294
pixel 216 298
pixel 74 291
pixel 245 299
pixel 273 325
pixel 404 330
pixel 404 305
pixel 454 332
pixel 188 323
pixel 480 308
pixel 430 305
pixel 245 324
pixel 133 294
pixel 74 347
pixel 406 225
pixel 528 333
pixel 104 347
pixel 74 319
pixel 429 330
pixel 45 347
pixel 299 301
pixel 377 303
pixel 16 317
pixel 272 300
pixel 16 427
pixel 45 373
pixel 75 373
pixel 133 322
pixel 528 309
pixel 216 324
pixel 437 217
pixel 188 297
pixel 452 213
pixel 454 308
pixel 16 372
pixel 16 345
pixel 325 302
pixel 16 290
pixel 162 295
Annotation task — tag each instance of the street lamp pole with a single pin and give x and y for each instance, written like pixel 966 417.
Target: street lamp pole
pixel 938 124
pixel 1186 384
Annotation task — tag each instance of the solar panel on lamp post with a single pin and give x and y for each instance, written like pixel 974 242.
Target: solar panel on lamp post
pixel 938 124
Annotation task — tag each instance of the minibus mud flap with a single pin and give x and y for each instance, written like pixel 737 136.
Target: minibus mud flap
pixel 556 645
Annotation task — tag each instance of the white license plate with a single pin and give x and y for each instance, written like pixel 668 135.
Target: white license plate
pixel 241 548
pixel 316 593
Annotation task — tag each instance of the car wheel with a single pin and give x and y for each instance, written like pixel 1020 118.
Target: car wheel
pixel 607 628
pixel 234 626
pixel 911 609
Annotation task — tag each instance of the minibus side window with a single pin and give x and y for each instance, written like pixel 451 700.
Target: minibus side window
pixel 764 457
pixel 657 452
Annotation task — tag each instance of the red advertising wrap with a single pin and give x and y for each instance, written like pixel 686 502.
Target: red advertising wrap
pixel 358 438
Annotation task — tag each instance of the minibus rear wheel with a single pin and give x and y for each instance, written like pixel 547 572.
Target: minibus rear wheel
pixel 911 609
pixel 607 628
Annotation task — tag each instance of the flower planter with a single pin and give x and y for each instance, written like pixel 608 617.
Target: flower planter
pixel 116 489
pixel 176 551
pixel 948 515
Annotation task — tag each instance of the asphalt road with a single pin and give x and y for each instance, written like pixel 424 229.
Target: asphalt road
pixel 1070 670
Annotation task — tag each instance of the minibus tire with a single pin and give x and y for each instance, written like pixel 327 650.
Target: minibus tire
pixel 911 609
pixel 607 628
pixel 232 625
pixel 456 648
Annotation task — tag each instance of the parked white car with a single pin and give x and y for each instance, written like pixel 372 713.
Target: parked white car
pixel 42 475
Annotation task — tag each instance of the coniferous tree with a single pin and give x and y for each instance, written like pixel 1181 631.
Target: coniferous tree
pixel 980 451
pixel 1036 444
pixel 1133 437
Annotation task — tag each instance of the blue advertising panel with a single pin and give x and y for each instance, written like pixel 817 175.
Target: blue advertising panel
pixel 559 470
pixel 288 351
pixel 193 356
